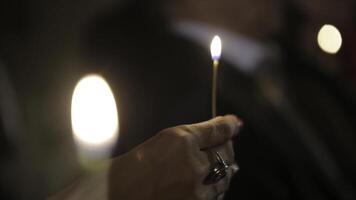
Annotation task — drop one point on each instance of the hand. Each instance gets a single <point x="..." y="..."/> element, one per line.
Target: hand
<point x="173" y="164"/>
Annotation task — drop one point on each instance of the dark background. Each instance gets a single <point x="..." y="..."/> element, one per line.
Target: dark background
<point x="47" y="46"/>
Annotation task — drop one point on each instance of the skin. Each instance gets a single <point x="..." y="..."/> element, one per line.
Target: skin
<point x="171" y="165"/>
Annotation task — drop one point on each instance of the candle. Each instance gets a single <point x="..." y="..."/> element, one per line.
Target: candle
<point x="215" y="49"/>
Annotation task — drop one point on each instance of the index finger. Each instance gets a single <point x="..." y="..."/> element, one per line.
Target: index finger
<point x="216" y="131"/>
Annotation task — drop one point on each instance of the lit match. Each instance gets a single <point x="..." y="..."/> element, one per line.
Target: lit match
<point x="215" y="49"/>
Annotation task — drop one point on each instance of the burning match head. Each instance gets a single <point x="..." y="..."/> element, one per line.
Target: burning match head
<point x="215" y="48"/>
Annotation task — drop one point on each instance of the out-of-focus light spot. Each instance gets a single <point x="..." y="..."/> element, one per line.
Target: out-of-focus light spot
<point x="329" y="39"/>
<point x="94" y="116"/>
<point x="215" y="48"/>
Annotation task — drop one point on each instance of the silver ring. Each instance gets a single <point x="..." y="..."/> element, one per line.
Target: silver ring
<point x="219" y="171"/>
<point x="221" y="160"/>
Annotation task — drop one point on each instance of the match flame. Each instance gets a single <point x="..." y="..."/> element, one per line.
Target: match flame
<point x="215" y="48"/>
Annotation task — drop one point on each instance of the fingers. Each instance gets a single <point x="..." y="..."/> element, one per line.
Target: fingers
<point x="227" y="153"/>
<point x="186" y="143"/>
<point x="217" y="190"/>
<point x="216" y="131"/>
<point x="223" y="185"/>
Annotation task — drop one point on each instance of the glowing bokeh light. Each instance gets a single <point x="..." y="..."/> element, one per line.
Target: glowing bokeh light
<point x="215" y="48"/>
<point x="94" y="112"/>
<point x="329" y="39"/>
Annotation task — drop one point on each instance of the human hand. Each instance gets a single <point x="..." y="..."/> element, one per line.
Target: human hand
<point x="175" y="163"/>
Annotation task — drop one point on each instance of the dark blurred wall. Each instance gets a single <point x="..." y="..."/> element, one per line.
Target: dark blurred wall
<point x="40" y="45"/>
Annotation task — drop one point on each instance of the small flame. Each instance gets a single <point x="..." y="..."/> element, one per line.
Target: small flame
<point x="215" y="48"/>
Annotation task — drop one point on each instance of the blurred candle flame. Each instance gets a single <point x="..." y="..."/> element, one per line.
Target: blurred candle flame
<point x="215" y="48"/>
<point x="329" y="39"/>
<point x="94" y="114"/>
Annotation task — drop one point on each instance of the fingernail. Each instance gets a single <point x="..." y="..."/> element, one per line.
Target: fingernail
<point x="235" y="168"/>
<point x="240" y="123"/>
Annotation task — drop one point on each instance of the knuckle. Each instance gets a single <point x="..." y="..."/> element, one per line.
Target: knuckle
<point x="185" y="128"/>
<point x="182" y="135"/>
<point x="177" y="133"/>
<point x="166" y="132"/>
